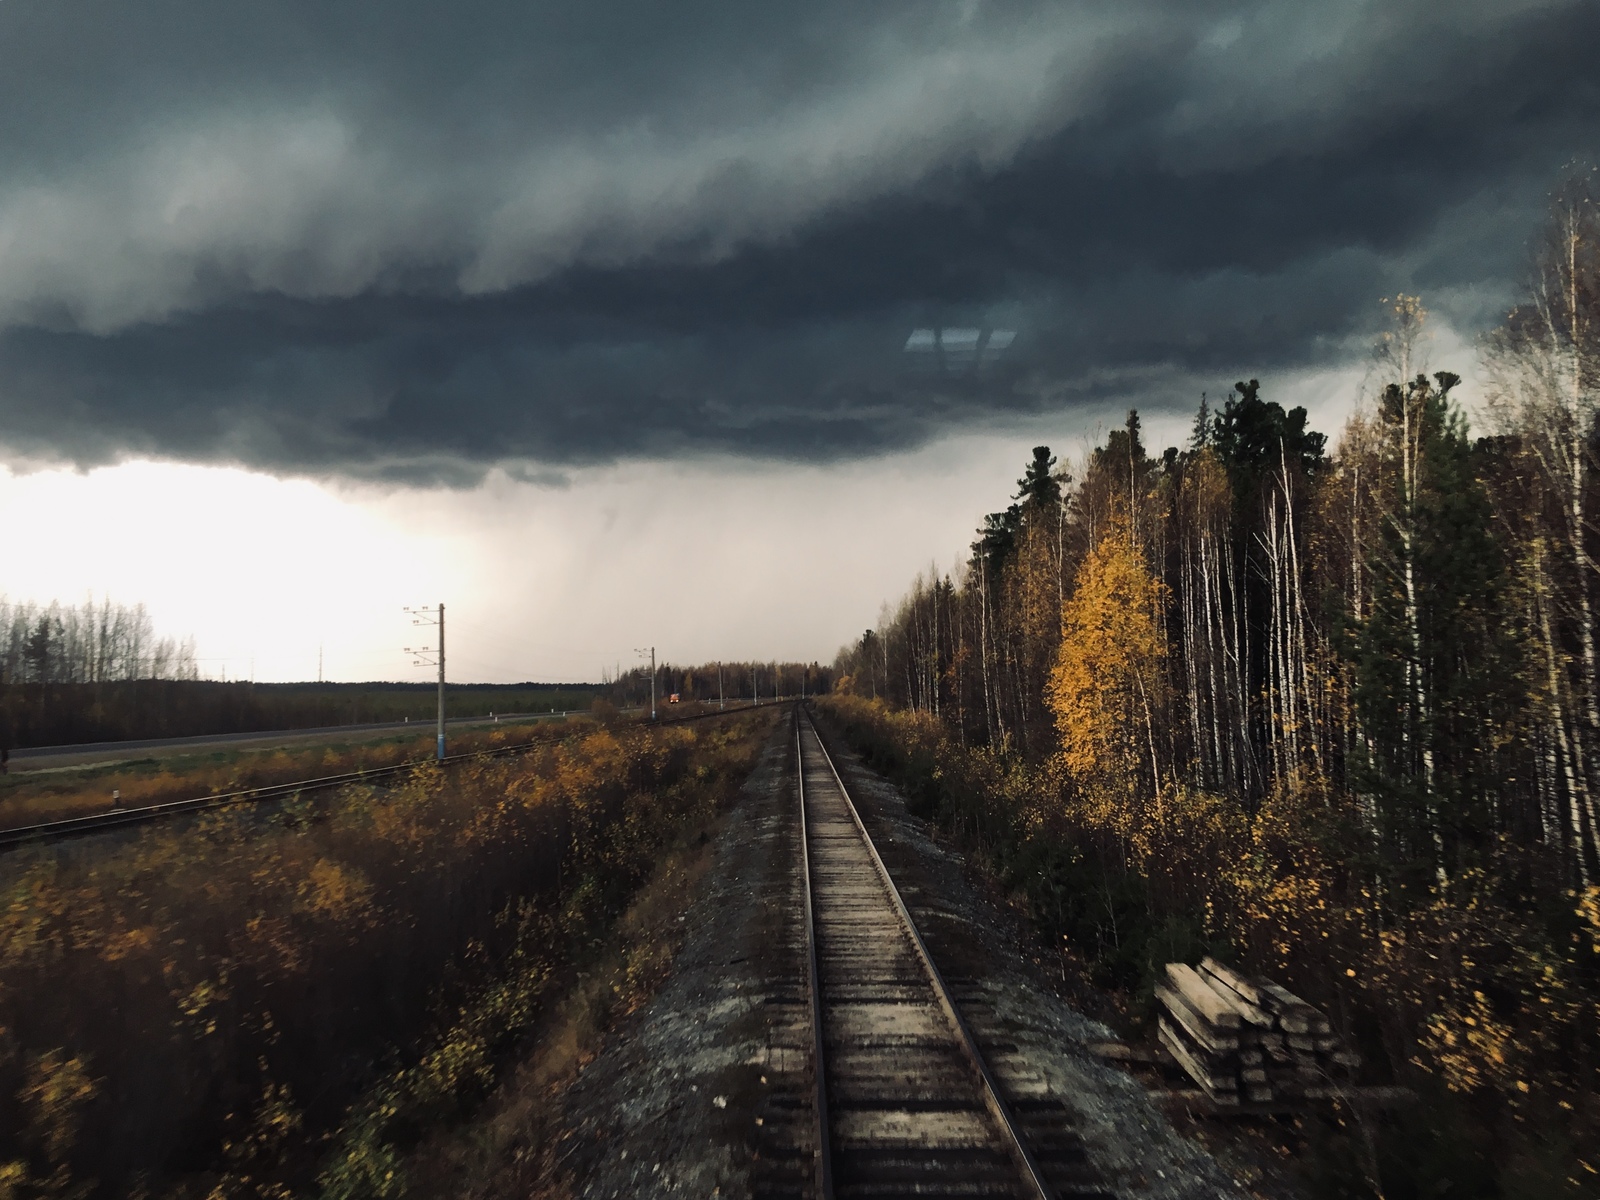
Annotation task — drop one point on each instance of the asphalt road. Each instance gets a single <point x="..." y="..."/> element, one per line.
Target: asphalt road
<point x="49" y="758"/>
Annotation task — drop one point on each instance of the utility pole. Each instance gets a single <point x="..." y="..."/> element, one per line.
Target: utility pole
<point x="720" y="704"/>
<point x="441" y="682"/>
<point x="652" y="653"/>
<point x="431" y="616"/>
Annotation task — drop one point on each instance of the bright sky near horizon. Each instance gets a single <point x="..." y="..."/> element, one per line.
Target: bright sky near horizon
<point x="705" y="560"/>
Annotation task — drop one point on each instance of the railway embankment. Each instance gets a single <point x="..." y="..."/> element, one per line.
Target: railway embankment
<point x="708" y="1088"/>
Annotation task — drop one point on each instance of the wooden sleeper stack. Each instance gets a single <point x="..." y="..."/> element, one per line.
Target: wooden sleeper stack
<point x="1246" y="1040"/>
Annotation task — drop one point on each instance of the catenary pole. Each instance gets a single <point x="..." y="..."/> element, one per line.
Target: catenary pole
<point x="431" y="616"/>
<point x="441" y="683"/>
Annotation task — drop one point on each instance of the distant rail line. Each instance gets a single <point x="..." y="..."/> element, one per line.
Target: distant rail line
<point x="906" y="1104"/>
<point x="119" y="818"/>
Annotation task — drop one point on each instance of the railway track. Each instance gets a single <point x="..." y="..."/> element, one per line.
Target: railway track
<point x="905" y="1101"/>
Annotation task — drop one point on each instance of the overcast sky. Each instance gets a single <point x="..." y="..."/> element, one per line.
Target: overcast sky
<point x="424" y="293"/>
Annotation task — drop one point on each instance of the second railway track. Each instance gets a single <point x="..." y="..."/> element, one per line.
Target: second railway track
<point x="906" y="1103"/>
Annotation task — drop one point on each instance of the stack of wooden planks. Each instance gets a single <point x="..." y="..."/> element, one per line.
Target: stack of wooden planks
<point x="1248" y="1041"/>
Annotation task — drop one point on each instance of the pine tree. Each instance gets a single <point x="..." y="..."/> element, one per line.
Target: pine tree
<point x="1038" y="490"/>
<point x="1436" y="665"/>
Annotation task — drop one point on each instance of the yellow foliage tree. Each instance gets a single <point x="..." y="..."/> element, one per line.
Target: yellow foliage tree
<point x="1107" y="688"/>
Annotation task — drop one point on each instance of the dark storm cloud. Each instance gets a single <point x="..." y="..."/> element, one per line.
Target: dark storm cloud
<point x="410" y="242"/>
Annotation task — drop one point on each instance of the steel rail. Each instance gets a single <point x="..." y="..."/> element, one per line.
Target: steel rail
<point x="52" y="831"/>
<point x="1033" y="1177"/>
<point x="824" y="1151"/>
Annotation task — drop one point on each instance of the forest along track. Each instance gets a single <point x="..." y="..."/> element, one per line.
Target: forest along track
<point x="905" y="1104"/>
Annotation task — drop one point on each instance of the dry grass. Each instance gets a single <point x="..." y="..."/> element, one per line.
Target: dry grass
<point x="265" y="1002"/>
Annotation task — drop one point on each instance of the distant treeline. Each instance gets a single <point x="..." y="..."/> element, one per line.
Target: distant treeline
<point x="55" y="714"/>
<point x="87" y="643"/>
<point x="709" y="681"/>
